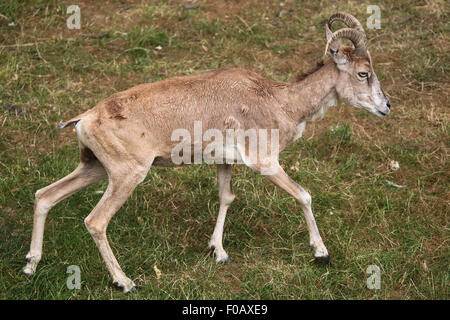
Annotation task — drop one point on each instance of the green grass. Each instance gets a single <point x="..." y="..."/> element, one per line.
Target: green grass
<point x="51" y="73"/>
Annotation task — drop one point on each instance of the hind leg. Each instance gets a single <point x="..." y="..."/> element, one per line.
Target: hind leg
<point x="84" y="175"/>
<point x="121" y="185"/>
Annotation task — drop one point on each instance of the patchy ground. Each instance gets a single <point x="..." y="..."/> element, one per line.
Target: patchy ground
<point x="49" y="73"/>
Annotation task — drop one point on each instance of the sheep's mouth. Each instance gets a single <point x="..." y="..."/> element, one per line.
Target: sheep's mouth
<point x="378" y="113"/>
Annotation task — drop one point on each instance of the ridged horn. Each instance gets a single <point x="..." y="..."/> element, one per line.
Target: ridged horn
<point x="355" y="36"/>
<point x="349" y="20"/>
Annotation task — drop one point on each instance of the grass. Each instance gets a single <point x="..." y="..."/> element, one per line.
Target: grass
<point x="49" y="73"/>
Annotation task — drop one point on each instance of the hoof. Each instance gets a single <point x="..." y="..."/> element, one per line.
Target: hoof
<point x="32" y="262"/>
<point x="28" y="271"/>
<point x="126" y="288"/>
<point x="221" y="256"/>
<point x="226" y="260"/>
<point x="324" y="260"/>
<point x="134" y="289"/>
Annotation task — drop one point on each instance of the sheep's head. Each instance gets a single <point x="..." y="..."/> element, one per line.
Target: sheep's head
<point x="357" y="84"/>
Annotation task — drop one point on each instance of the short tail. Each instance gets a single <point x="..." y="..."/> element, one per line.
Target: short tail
<point x="74" y="120"/>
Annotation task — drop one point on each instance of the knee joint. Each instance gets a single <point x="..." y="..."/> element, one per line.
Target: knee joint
<point x="305" y="198"/>
<point x="227" y="198"/>
<point x="93" y="228"/>
<point x="41" y="204"/>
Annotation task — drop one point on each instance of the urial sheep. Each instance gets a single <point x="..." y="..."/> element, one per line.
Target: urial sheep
<point x="124" y="135"/>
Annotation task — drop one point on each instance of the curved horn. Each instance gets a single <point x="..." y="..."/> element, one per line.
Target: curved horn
<point x="355" y="36"/>
<point x="349" y="20"/>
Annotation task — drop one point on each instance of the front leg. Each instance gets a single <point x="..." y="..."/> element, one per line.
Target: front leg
<point x="226" y="196"/>
<point x="281" y="179"/>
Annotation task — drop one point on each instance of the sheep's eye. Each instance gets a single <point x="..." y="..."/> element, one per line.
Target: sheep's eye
<point x="363" y="74"/>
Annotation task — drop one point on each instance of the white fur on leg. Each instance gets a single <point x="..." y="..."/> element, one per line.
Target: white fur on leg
<point x="216" y="239"/>
<point x="219" y="253"/>
<point x="320" y="251"/>
<point x="32" y="262"/>
<point x="226" y="196"/>
<point x="281" y="179"/>
<point x="46" y="198"/>
<point x="119" y="278"/>
<point x="41" y="209"/>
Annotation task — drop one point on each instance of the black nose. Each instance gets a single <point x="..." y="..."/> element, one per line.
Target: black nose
<point x="388" y="105"/>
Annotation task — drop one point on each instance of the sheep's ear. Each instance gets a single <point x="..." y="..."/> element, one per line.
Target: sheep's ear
<point x="333" y="49"/>
<point x="338" y="57"/>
